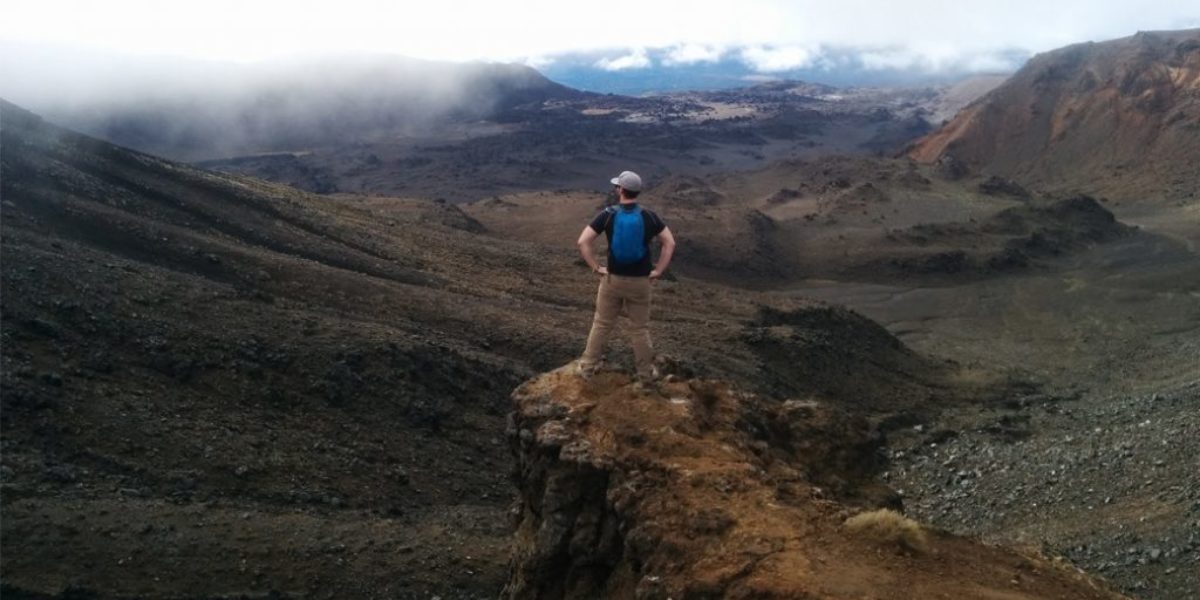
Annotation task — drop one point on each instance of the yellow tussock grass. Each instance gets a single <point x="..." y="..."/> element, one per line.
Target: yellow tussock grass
<point x="887" y="526"/>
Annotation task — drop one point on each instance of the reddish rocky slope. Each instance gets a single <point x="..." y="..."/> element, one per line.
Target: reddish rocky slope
<point x="1120" y="117"/>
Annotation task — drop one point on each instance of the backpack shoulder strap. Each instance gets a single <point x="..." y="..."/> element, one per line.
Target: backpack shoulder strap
<point x="612" y="211"/>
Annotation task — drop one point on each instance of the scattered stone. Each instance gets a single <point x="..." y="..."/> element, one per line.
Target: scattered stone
<point x="61" y="474"/>
<point x="44" y="328"/>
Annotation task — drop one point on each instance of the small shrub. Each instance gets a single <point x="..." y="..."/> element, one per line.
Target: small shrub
<point x="887" y="526"/>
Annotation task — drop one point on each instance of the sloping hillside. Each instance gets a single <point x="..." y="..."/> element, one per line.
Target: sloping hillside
<point x="215" y="386"/>
<point x="246" y="110"/>
<point x="1119" y="118"/>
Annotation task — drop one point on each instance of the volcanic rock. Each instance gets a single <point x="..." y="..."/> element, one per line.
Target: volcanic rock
<point x="698" y="490"/>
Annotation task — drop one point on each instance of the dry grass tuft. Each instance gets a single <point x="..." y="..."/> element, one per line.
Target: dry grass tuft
<point x="887" y="526"/>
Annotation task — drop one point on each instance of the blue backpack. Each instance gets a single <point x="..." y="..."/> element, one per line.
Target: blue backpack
<point x="628" y="235"/>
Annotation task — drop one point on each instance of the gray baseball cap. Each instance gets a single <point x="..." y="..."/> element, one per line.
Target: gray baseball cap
<point x="628" y="180"/>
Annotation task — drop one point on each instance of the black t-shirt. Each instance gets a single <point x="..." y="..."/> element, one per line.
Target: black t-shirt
<point x="652" y="226"/>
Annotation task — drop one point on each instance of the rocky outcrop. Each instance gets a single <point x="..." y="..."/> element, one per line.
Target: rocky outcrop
<point x="694" y="489"/>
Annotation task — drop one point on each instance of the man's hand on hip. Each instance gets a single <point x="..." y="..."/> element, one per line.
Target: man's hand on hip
<point x="601" y="270"/>
<point x="654" y="275"/>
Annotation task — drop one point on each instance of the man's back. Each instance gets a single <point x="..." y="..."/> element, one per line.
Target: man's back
<point x="652" y="226"/>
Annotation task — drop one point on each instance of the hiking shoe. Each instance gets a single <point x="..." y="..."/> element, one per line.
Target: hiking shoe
<point x="649" y="378"/>
<point x="647" y="382"/>
<point x="647" y="386"/>
<point x="584" y="371"/>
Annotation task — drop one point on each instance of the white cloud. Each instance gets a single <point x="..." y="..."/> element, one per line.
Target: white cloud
<point x="537" y="62"/>
<point x="769" y="59"/>
<point x="783" y="32"/>
<point x="931" y="59"/>
<point x="896" y="58"/>
<point x="636" y="59"/>
<point x="686" y="54"/>
<point x="990" y="63"/>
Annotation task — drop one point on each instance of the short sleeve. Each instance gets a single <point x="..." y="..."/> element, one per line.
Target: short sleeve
<point x="598" y="223"/>
<point x="656" y="224"/>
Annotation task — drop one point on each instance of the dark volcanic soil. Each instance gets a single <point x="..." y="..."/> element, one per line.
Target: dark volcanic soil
<point x="215" y="386"/>
<point x="219" y="387"/>
<point x="563" y="142"/>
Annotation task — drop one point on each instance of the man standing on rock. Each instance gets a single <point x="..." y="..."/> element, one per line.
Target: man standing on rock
<point x="626" y="282"/>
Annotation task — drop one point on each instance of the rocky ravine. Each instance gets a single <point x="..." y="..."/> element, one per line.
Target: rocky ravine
<point x="697" y="490"/>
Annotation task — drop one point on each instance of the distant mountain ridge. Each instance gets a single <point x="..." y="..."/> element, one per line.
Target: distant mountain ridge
<point x="351" y="123"/>
<point x="1119" y="117"/>
<point x="658" y="70"/>
<point x="292" y="106"/>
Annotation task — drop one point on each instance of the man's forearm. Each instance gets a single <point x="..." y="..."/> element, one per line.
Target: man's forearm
<point x="664" y="258"/>
<point x="585" y="250"/>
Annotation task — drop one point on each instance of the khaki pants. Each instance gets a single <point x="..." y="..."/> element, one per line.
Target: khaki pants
<point x="629" y="296"/>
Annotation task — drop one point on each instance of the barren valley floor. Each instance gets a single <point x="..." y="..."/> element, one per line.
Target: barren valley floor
<point x="1102" y="466"/>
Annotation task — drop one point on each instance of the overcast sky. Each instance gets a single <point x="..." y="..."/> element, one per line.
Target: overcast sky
<point x="767" y="34"/>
